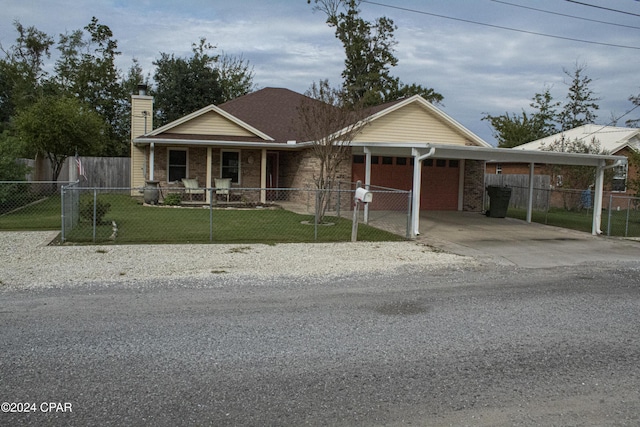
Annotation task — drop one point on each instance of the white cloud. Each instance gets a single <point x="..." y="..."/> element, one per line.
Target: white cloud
<point x="478" y="69"/>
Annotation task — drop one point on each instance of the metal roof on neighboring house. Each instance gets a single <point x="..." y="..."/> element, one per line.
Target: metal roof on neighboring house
<point x="611" y="138"/>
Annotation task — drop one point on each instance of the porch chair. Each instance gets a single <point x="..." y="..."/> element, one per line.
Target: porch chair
<point x="191" y="187"/>
<point x="222" y="187"/>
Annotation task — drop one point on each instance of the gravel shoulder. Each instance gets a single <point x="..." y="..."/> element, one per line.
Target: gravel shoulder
<point x="27" y="261"/>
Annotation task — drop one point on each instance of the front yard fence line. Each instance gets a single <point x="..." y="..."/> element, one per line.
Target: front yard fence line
<point x="244" y="215"/>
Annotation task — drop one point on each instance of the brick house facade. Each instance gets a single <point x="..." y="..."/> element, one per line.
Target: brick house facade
<point x="254" y="139"/>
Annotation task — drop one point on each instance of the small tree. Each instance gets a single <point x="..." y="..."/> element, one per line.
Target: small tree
<point x="330" y="124"/>
<point x="512" y="130"/>
<point x="576" y="177"/>
<point x="58" y="128"/>
<point x="581" y="104"/>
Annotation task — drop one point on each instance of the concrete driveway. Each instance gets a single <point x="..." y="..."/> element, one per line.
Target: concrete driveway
<point x="509" y="241"/>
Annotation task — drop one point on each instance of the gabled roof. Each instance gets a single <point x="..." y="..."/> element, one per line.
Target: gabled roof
<point x="271" y="116"/>
<point x="169" y="126"/>
<point x="612" y="139"/>
<point x="385" y="109"/>
<point x="272" y="110"/>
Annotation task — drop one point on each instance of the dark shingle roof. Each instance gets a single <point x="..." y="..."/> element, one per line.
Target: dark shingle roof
<point x="273" y="111"/>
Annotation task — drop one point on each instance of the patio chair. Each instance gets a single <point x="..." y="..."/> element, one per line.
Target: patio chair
<point x="191" y="187"/>
<point x="222" y="187"/>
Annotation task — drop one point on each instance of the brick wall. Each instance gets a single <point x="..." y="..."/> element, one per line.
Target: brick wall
<point x="473" y="185"/>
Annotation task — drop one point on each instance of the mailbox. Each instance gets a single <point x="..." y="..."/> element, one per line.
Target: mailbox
<point x="363" y="195"/>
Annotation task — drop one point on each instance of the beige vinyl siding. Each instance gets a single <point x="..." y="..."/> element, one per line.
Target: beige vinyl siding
<point x="211" y="123"/>
<point x="139" y="103"/>
<point x="412" y="123"/>
<point x="137" y="166"/>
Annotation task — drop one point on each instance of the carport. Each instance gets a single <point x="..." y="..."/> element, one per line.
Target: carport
<point x="422" y="151"/>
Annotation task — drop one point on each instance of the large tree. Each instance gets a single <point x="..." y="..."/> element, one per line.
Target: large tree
<point x="86" y="70"/>
<point x="185" y="85"/>
<point x="22" y="71"/>
<point x="369" y="55"/>
<point x="59" y="127"/>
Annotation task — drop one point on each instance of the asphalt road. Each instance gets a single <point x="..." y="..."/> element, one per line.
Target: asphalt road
<point x="480" y="346"/>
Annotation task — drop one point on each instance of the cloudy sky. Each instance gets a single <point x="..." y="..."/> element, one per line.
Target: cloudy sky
<point x="484" y="56"/>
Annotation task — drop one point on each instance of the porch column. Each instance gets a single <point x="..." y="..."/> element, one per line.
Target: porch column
<point x="263" y="176"/>
<point x="530" y="201"/>
<point x="208" y="183"/>
<point x="597" y="200"/>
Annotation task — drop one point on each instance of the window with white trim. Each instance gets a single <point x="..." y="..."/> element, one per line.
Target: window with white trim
<point x="619" y="182"/>
<point x="230" y="166"/>
<point x="176" y="164"/>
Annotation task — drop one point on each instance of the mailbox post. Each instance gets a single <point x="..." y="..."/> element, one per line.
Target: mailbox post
<point x="362" y="196"/>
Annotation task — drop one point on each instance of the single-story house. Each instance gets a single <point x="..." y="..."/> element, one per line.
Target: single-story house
<point x="253" y="141"/>
<point x="619" y="141"/>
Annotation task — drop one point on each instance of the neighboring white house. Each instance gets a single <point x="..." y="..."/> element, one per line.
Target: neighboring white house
<point x="619" y="141"/>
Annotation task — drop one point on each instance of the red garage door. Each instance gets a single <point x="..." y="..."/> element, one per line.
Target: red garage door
<point x="440" y="178"/>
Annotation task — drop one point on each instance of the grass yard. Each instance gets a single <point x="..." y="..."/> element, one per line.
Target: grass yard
<point x="43" y="214"/>
<point x="139" y="224"/>
<point x="582" y="220"/>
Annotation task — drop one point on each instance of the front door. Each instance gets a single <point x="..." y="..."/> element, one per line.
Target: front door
<point x="273" y="163"/>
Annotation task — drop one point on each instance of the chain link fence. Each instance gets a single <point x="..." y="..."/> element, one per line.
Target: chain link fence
<point x="27" y="205"/>
<point x="222" y="215"/>
<point x="573" y="209"/>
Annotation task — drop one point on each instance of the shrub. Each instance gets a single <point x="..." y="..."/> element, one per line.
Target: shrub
<point x="86" y="210"/>
<point x="173" y="199"/>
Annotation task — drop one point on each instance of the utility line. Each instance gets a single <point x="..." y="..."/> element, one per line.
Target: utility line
<point x="566" y="15"/>
<point x="499" y="26"/>
<point x="601" y="7"/>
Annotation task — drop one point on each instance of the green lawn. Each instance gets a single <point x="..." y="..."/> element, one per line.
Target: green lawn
<point x="42" y="214"/>
<point x="150" y="224"/>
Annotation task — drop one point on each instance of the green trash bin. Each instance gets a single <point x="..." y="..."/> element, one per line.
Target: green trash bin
<point x="498" y="201"/>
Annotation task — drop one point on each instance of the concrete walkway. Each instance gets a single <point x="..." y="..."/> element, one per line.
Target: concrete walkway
<point x="509" y="241"/>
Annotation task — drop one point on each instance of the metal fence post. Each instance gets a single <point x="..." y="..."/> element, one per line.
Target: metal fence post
<point x="315" y="220"/>
<point x="546" y="212"/>
<point x="338" y="202"/>
<point x="626" y="225"/>
<point x="210" y="215"/>
<point x="95" y="201"/>
<point x="62" y="232"/>
<point x="609" y="216"/>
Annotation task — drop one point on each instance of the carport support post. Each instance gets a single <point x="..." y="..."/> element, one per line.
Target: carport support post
<point x="415" y="205"/>
<point x="530" y="201"/>
<point x="417" y="179"/>
<point x="597" y="199"/>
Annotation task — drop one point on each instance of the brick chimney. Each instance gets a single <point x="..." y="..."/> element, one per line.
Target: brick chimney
<point x="141" y="123"/>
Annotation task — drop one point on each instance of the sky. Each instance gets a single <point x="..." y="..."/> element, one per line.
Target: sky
<point x="483" y="56"/>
